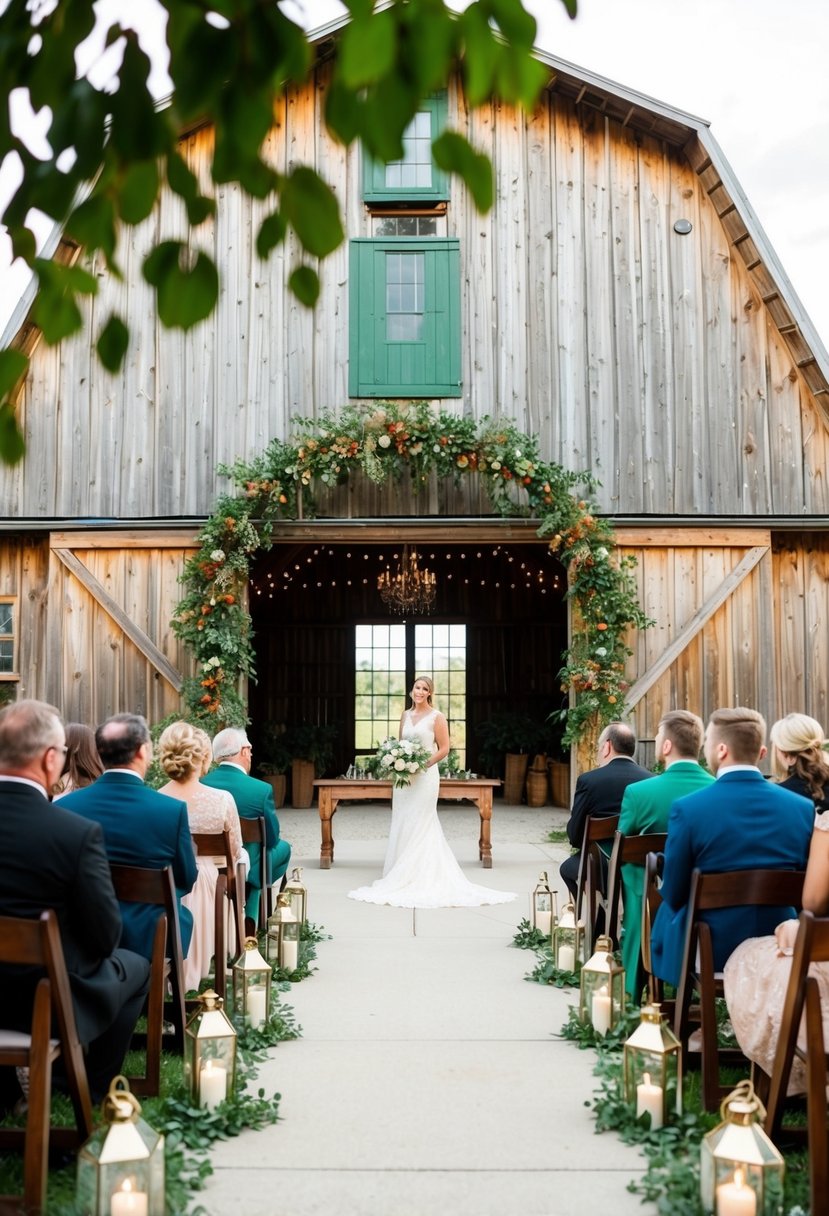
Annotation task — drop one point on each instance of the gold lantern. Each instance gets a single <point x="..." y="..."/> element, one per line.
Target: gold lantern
<point x="653" y="1068"/>
<point x="289" y="930"/>
<point x="545" y="912"/>
<point x="252" y="986"/>
<point x="741" y="1171"/>
<point x="210" y="1053"/>
<point x="602" y="988"/>
<point x="272" y="930"/>
<point x="298" y="894"/>
<point x="121" y="1166"/>
<point x="568" y="940"/>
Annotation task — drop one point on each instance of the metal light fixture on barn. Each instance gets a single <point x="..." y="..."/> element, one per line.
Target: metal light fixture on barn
<point x="408" y="589"/>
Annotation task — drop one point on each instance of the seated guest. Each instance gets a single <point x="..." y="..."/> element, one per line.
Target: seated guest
<point x="799" y="758"/>
<point x="232" y="753"/>
<point x="82" y="764"/>
<point x="599" y="792"/>
<point x="141" y="827"/>
<point x="741" y="822"/>
<point x="54" y="859"/>
<point x="184" y="754"/>
<point x="757" y="974"/>
<point x="645" y="808"/>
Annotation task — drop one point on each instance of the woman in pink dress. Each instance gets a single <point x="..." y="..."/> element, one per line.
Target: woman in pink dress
<point x="184" y="753"/>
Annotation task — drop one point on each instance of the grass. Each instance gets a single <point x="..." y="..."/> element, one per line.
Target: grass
<point x="557" y="836"/>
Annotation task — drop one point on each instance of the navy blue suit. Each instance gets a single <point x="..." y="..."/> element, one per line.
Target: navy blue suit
<point x="741" y="822"/>
<point x="141" y="828"/>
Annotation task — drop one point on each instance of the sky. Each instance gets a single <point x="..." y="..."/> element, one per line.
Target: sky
<point x="755" y="69"/>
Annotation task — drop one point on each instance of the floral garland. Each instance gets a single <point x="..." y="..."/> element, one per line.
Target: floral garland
<point x="412" y="440"/>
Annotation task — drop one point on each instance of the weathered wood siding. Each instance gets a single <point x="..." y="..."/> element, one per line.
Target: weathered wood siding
<point x="645" y="356"/>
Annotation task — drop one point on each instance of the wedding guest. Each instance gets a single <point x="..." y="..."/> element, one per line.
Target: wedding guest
<point x="82" y="764"/>
<point x="645" y="808"/>
<point x="141" y="827"/>
<point x="599" y="792"/>
<point x="799" y="758"/>
<point x="55" y="859"/>
<point x="184" y="754"/>
<point x="741" y="822"/>
<point x="232" y="753"/>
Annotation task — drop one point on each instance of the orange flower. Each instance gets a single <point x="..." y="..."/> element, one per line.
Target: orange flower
<point x="611" y="700"/>
<point x="282" y="498"/>
<point x="230" y="599"/>
<point x="602" y="625"/>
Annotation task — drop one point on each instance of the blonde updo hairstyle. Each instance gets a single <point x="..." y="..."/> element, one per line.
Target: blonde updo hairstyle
<point x="183" y="750"/>
<point x="800" y="736"/>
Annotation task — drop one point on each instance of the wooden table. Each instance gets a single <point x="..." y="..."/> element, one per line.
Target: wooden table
<point x="333" y="792"/>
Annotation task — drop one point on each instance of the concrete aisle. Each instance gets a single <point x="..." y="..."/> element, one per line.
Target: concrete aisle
<point x="428" y="1079"/>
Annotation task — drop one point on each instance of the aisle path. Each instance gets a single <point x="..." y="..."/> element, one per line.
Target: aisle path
<point x="427" y="1080"/>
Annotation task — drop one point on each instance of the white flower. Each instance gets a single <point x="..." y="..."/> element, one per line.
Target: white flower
<point x="399" y="765"/>
<point x="213" y="602"/>
<point x="601" y="651"/>
<point x="411" y="766"/>
<point x="436" y="447"/>
<point x="495" y="464"/>
<point x="601" y="551"/>
<point x="384" y="441"/>
<point x="218" y="555"/>
<point x="386" y="761"/>
<point x="517" y="454"/>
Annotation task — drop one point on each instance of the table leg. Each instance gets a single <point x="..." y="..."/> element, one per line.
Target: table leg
<point x="327" y="806"/>
<point x="484" y="801"/>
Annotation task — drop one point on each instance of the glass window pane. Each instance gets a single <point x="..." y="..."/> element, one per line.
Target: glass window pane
<point x="407" y="225"/>
<point x="362" y="736"/>
<point x="6" y="618"/>
<point x="362" y="636"/>
<point x="363" y="658"/>
<point x="423" y="125"/>
<point x="6" y="656"/>
<point x="427" y="226"/>
<point x="393" y="175"/>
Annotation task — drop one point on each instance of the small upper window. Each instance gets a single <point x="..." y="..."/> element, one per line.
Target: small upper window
<point x="415" y="176"/>
<point x="8" y="637"/>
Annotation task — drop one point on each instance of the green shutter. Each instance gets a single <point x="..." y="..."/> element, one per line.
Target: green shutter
<point x="426" y="367"/>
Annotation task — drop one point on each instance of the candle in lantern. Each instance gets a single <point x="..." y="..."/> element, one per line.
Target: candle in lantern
<point x="566" y="958"/>
<point x="735" y="1198"/>
<point x="544" y="922"/>
<point x="212" y="1085"/>
<point x="257" y="1007"/>
<point x="649" y="1098"/>
<point x="127" y="1201"/>
<point x="290" y="952"/>
<point x="601" y="1011"/>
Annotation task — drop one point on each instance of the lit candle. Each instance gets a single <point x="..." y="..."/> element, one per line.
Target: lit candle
<point x="601" y="1011"/>
<point x="566" y="958"/>
<point x="649" y="1098"/>
<point x="127" y="1201"/>
<point x="257" y="1007"/>
<point x="290" y="953"/>
<point x="544" y="922"/>
<point x="735" y="1198"/>
<point x="212" y="1086"/>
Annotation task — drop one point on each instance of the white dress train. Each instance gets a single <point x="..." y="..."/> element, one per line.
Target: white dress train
<point x="420" y="870"/>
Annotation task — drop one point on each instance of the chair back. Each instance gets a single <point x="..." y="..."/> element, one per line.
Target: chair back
<point x="219" y="844"/>
<point x="651" y="900"/>
<point x="254" y="831"/>
<point x="596" y="828"/>
<point x="627" y="850"/>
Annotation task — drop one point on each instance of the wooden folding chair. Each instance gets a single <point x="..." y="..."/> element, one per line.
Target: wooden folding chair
<point x="627" y="850"/>
<point x="137" y="884"/>
<point x="736" y="888"/>
<point x="651" y="899"/>
<point x="218" y="844"/>
<point x="36" y="943"/>
<point x="803" y="994"/>
<point x="254" y="831"/>
<point x="590" y="882"/>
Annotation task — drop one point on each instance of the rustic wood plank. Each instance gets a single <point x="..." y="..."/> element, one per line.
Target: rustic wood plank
<point x="691" y="538"/>
<point x="147" y="647"/>
<point x="130" y="538"/>
<point x="700" y="619"/>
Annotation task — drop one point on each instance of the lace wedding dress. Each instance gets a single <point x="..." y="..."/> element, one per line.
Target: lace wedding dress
<point x="420" y="870"/>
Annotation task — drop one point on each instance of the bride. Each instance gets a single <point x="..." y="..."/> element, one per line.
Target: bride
<point x="420" y="870"/>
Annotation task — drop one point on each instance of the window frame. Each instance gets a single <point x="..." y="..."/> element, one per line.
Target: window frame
<point x="14" y="637"/>
<point x="368" y="343"/>
<point x="375" y="189"/>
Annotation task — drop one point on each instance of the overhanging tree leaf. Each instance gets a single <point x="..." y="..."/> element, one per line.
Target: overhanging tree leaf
<point x="12" y="445"/>
<point x="305" y="284"/>
<point x="112" y="343"/>
<point x="367" y="49"/>
<point x="311" y="208"/>
<point x="186" y="286"/>
<point x="138" y="191"/>
<point x="454" y="154"/>
<point x="13" y="364"/>
<point x="271" y="233"/>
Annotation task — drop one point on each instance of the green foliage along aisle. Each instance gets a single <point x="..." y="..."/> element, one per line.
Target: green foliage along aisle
<point x="391" y="441"/>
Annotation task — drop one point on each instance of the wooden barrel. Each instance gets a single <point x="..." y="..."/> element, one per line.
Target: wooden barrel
<point x="302" y="783"/>
<point x="515" y="771"/>
<point x="536" y="786"/>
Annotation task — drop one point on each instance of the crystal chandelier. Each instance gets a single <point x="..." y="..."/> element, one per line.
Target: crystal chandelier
<point x="409" y="589"/>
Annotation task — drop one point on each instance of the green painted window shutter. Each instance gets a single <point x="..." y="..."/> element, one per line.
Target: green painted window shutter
<point x="416" y="178"/>
<point x="404" y="318"/>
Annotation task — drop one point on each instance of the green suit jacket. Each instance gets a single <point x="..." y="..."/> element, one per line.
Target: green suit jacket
<point x="645" y="808"/>
<point x="253" y="798"/>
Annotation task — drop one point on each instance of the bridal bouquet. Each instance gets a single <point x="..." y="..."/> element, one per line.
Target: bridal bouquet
<point x="397" y="760"/>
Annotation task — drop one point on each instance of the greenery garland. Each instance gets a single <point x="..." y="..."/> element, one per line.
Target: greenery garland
<point x="412" y="440"/>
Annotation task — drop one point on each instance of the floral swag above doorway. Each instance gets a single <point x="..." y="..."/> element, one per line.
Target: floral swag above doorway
<point x="395" y="441"/>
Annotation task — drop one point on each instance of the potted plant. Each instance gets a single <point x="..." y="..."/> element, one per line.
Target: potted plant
<point x="508" y="739"/>
<point x="312" y="750"/>
<point x="276" y="759"/>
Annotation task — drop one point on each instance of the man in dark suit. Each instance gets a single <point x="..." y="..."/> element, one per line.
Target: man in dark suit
<point x="141" y="827"/>
<point x="741" y="822"/>
<point x="232" y="753"/>
<point x="599" y="792"/>
<point x="54" y="859"/>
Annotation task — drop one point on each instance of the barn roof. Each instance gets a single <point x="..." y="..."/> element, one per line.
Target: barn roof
<point x="587" y="91"/>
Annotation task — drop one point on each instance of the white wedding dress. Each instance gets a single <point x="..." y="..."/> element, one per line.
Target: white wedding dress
<point x="420" y="870"/>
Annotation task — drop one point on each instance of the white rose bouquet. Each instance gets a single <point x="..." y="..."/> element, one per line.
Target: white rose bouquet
<point x="397" y="761"/>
